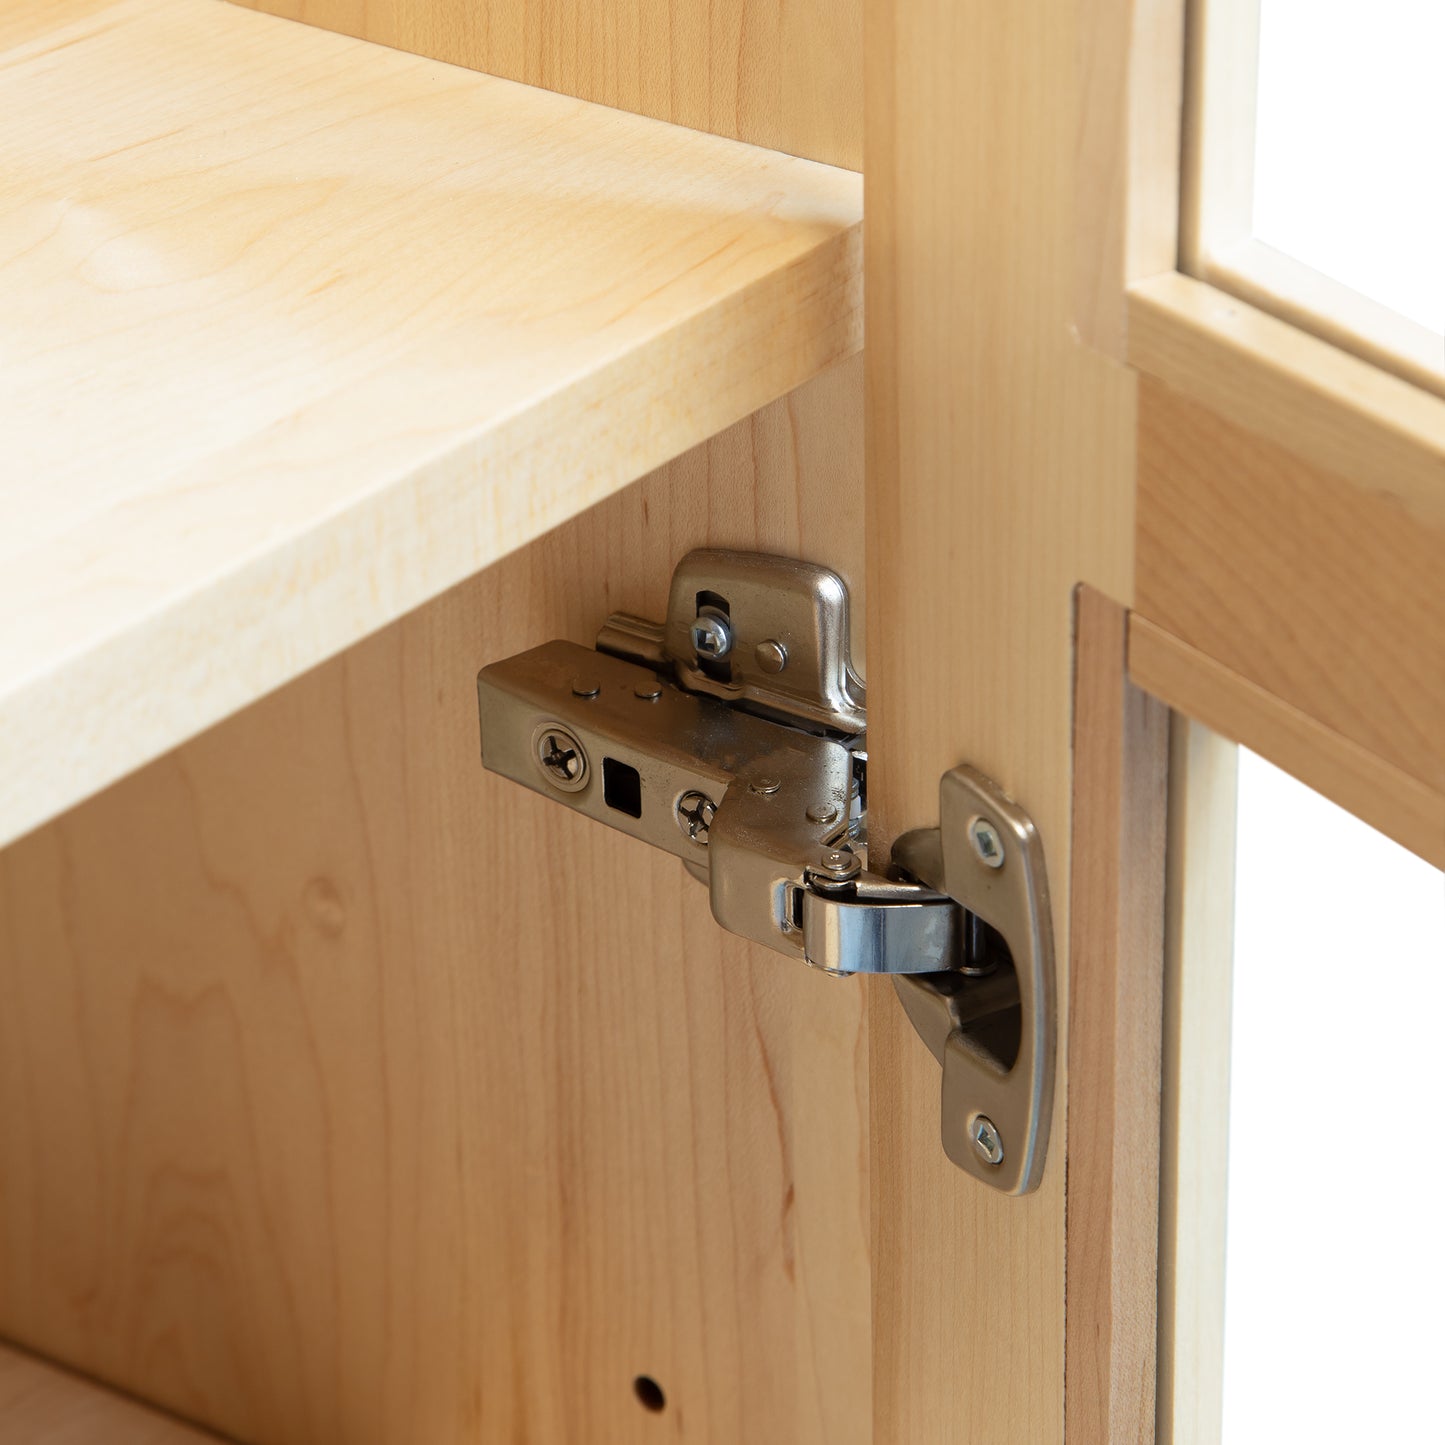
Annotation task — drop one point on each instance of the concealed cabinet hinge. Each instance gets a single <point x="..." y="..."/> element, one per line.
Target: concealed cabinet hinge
<point x="732" y="735"/>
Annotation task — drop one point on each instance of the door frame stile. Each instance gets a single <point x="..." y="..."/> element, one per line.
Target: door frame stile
<point x="1121" y="749"/>
<point x="1007" y="209"/>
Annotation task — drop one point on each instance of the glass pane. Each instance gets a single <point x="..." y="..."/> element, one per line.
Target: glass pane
<point x="1335" y="1256"/>
<point x="1350" y="146"/>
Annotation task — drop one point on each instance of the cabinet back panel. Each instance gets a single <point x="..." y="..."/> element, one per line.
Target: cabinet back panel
<point x="787" y="74"/>
<point x="351" y="1094"/>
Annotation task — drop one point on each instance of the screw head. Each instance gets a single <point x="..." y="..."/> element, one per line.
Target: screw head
<point x="771" y="655"/>
<point x="695" y="812"/>
<point x="711" y="635"/>
<point x="647" y="692"/>
<point x="839" y="864"/>
<point x="561" y="758"/>
<point x="765" y="786"/>
<point x="987" y="1142"/>
<point x="987" y="842"/>
<point x="822" y="813"/>
<point x="585" y="687"/>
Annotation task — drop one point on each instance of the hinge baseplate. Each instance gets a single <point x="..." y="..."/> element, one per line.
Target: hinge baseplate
<point x="732" y="735"/>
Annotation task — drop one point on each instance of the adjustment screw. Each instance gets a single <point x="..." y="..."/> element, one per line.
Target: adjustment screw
<point x="765" y="786"/>
<point x="561" y="758"/>
<point x="988" y="845"/>
<point x="711" y="636"/>
<point x="695" y="812"/>
<point x="822" y="813"/>
<point x="771" y="655"/>
<point x="986" y="1141"/>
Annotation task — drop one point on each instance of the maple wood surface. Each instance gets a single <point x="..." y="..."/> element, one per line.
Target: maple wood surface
<point x="296" y="332"/>
<point x="1000" y="475"/>
<point x="1121" y="748"/>
<point x="1323" y="593"/>
<point x="1128" y="83"/>
<point x="1331" y="410"/>
<point x="787" y="74"/>
<point x="351" y="1095"/>
<point x="1194" y="684"/>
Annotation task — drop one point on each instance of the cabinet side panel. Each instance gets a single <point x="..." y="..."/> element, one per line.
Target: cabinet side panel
<point x="784" y="75"/>
<point x="351" y="1094"/>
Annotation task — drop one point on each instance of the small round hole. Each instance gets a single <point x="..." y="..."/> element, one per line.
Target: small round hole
<point x="649" y="1393"/>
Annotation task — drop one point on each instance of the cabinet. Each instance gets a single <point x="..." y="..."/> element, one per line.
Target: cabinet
<point x="348" y="1093"/>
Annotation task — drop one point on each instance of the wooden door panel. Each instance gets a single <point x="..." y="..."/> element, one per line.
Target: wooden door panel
<point x="1324" y="593"/>
<point x="350" y="1093"/>
<point x="1290" y="513"/>
<point x="1000" y="474"/>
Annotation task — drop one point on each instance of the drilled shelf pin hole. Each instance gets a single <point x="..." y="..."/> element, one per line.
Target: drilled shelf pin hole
<point x="649" y="1393"/>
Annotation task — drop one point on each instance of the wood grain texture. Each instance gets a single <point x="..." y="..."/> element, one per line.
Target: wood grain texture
<point x="1331" y="409"/>
<point x="1194" y="1104"/>
<point x="351" y="1095"/>
<point x="42" y="1405"/>
<point x="787" y="74"/>
<point x="1195" y="684"/>
<point x="1121" y="763"/>
<point x="1326" y="594"/>
<point x="1301" y="296"/>
<point x="1131" y="81"/>
<point x="1000" y="473"/>
<point x="296" y="332"/>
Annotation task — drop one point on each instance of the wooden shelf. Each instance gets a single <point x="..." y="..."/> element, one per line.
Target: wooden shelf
<point x="43" y="1405"/>
<point x="297" y="332"/>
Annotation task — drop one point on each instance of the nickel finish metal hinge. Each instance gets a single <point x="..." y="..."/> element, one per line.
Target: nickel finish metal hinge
<point x="732" y="735"/>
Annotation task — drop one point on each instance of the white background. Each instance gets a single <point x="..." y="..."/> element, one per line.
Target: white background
<point x="1350" y="146"/>
<point x="1335" y="1259"/>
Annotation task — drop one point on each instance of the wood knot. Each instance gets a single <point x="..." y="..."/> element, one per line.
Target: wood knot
<point x="324" y="906"/>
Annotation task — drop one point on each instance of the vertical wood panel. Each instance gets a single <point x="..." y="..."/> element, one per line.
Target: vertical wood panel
<point x="1131" y="78"/>
<point x="350" y="1094"/>
<point x="1000" y="473"/>
<point x="1121" y="749"/>
<point x="787" y="74"/>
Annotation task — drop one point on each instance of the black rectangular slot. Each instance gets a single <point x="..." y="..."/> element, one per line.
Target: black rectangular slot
<point x="621" y="787"/>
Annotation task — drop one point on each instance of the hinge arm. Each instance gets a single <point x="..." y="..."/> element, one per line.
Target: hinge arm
<point x="769" y="815"/>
